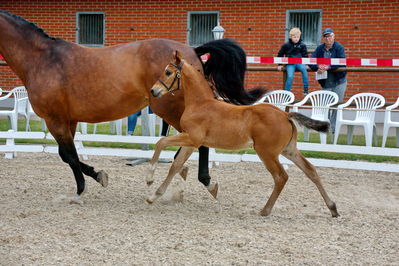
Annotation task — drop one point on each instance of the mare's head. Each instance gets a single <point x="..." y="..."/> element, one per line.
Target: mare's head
<point x="170" y="80"/>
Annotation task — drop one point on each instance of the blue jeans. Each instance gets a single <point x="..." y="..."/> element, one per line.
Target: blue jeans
<point x="132" y="121"/>
<point x="290" y="69"/>
<point x="340" y="90"/>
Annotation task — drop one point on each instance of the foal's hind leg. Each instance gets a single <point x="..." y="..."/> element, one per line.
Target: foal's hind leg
<point x="279" y="175"/>
<point x="176" y="167"/>
<point x="293" y="154"/>
<point x="100" y="176"/>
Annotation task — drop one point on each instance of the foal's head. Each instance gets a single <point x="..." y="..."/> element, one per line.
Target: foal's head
<point x="170" y="78"/>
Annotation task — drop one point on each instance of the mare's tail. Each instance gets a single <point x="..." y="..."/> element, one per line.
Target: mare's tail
<point x="226" y="68"/>
<point x="320" y="126"/>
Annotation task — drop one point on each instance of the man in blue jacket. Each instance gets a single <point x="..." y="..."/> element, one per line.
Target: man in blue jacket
<point x="335" y="81"/>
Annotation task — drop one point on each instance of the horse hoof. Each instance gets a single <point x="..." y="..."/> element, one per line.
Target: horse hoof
<point x="334" y="212"/>
<point x="149" y="201"/>
<point x="76" y="200"/>
<point x="214" y="190"/>
<point x="184" y="172"/>
<point x="336" y="215"/>
<point x="264" y="213"/>
<point x="102" y="178"/>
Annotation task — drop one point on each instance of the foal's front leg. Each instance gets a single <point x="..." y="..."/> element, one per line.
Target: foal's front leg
<point x="181" y="139"/>
<point x="175" y="168"/>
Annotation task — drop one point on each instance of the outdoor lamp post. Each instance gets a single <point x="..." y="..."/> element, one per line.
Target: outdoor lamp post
<point x="218" y="32"/>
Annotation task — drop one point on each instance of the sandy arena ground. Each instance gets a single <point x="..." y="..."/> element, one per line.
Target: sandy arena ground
<point x="116" y="226"/>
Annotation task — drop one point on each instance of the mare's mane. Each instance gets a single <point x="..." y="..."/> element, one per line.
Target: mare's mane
<point x="228" y="57"/>
<point x="30" y="25"/>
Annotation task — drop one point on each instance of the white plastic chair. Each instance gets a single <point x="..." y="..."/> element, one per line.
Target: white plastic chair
<point x="388" y="123"/>
<point x="30" y="113"/>
<point x="20" y="103"/>
<point x="279" y="98"/>
<point x="366" y="103"/>
<point x="320" y="102"/>
<point x="21" y="95"/>
<point x="11" y="114"/>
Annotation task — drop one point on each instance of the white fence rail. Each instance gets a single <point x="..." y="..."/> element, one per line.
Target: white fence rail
<point x="10" y="148"/>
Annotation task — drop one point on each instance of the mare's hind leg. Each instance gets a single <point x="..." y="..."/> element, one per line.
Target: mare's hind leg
<point x="279" y="175"/>
<point x="293" y="154"/>
<point x="176" y="167"/>
<point x="67" y="151"/>
<point x="203" y="168"/>
<point x="100" y="176"/>
<point x="203" y="171"/>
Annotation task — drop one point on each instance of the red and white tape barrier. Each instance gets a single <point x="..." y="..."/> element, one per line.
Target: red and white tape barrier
<point x="314" y="61"/>
<point x="323" y="61"/>
<point x="319" y="61"/>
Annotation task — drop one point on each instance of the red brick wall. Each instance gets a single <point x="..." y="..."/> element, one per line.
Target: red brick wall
<point x="367" y="29"/>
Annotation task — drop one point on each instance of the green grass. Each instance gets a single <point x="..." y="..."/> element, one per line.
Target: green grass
<point x="356" y="141"/>
<point x="314" y="137"/>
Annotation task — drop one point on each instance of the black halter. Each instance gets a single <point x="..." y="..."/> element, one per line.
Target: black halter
<point x="177" y="78"/>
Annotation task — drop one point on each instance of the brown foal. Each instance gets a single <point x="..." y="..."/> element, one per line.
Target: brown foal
<point x="208" y="121"/>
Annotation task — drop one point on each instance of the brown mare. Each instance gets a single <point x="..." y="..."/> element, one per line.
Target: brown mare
<point x="68" y="83"/>
<point x="213" y="123"/>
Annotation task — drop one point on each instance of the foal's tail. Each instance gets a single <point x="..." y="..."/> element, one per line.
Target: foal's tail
<point x="320" y="126"/>
<point x="226" y="68"/>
